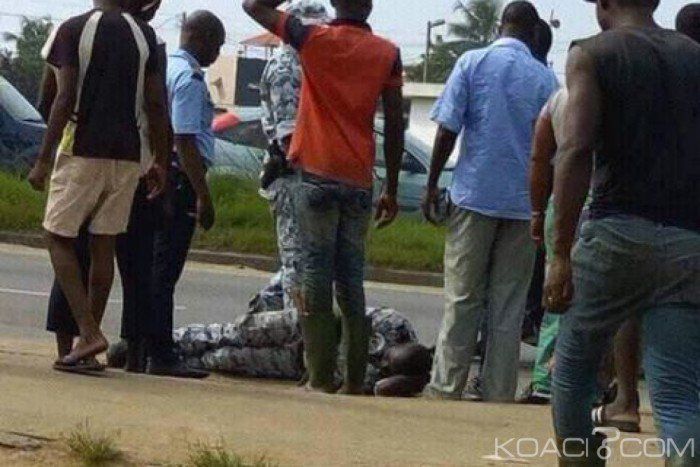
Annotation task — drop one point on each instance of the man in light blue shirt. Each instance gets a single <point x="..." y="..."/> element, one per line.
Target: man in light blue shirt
<point x="492" y="98"/>
<point x="191" y="107"/>
<point x="188" y="198"/>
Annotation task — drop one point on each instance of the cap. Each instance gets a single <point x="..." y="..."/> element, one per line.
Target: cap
<point x="310" y="11"/>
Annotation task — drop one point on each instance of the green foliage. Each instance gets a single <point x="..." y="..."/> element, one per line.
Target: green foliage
<point x="24" y="67"/>
<point x="204" y="455"/>
<point x="479" y="29"/>
<point x="480" y="26"/>
<point x="244" y="224"/>
<point x="92" y="449"/>
<point x="21" y="208"/>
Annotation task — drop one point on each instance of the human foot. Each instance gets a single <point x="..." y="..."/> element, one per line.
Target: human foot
<point x="86" y="348"/>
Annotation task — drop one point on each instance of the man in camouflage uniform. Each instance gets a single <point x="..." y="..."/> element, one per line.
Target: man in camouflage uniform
<point x="269" y="345"/>
<point x="279" y="94"/>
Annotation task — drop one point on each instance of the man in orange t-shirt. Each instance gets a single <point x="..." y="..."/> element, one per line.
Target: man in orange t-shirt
<point x="346" y="70"/>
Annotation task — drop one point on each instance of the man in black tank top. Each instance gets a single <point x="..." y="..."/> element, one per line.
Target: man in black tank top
<point x="634" y="99"/>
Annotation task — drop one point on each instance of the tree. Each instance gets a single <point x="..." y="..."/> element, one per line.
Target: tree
<point x="480" y="26"/>
<point x="24" y="67"/>
<point x="479" y="29"/>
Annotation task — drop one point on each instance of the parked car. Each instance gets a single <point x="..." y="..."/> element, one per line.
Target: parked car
<point x="21" y="129"/>
<point x="241" y="149"/>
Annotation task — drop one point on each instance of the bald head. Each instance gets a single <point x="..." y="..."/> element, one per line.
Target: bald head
<point x="520" y="20"/>
<point x="688" y="21"/>
<point x="203" y="34"/>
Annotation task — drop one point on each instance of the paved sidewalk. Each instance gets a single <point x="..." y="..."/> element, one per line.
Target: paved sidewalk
<point x="156" y="419"/>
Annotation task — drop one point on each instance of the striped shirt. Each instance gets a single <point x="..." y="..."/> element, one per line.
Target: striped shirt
<point x="113" y="53"/>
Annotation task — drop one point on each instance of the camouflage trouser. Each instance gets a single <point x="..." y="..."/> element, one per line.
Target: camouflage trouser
<point x="269" y="344"/>
<point x="288" y="242"/>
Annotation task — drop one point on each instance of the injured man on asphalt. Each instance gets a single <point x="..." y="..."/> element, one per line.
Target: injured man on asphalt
<point x="268" y="344"/>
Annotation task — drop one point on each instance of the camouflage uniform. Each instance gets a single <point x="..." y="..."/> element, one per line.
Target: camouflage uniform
<point x="269" y="344"/>
<point x="279" y="97"/>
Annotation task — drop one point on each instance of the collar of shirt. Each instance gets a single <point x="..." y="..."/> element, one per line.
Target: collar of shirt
<point x="351" y="22"/>
<point x="182" y="53"/>
<point x="513" y="43"/>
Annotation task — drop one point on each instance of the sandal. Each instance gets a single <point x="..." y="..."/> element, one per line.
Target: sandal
<point x="90" y="368"/>
<point x="625" y="426"/>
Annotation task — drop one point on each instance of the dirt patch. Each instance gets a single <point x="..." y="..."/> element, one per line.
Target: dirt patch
<point x="156" y="420"/>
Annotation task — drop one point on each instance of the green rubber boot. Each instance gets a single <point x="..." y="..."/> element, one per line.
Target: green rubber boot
<point x="355" y="344"/>
<point x="321" y="350"/>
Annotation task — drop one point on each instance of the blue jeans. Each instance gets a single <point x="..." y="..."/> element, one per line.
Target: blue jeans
<point x="626" y="266"/>
<point x="333" y="223"/>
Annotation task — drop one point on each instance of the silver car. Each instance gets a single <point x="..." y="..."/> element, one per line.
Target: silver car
<point x="241" y="150"/>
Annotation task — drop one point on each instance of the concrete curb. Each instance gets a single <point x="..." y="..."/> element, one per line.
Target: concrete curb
<point x="259" y="262"/>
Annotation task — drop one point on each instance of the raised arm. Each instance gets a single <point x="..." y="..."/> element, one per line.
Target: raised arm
<point x="573" y="171"/>
<point x="264" y="12"/>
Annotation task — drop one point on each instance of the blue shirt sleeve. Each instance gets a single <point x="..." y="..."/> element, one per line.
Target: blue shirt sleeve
<point x="451" y="108"/>
<point x="188" y="100"/>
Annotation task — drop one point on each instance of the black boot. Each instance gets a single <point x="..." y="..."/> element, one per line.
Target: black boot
<point x="163" y="361"/>
<point x="135" y="356"/>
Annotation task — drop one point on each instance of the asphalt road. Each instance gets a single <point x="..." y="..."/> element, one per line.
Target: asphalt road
<point x="206" y="294"/>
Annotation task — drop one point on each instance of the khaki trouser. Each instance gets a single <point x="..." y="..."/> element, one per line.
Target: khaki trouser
<point x="488" y="267"/>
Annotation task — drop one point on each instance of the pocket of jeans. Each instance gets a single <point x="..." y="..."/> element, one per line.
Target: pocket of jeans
<point x="315" y="197"/>
<point x="360" y="203"/>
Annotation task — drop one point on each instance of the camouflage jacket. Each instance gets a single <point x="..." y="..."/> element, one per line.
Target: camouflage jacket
<point x="279" y="93"/>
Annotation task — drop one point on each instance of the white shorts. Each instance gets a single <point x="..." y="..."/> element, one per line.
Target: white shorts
<point x="82" y="188"/>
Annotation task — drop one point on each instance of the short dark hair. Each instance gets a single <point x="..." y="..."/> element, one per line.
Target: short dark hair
<point x="654" y="4"/>
<point x="688" y="21"/>
<point x="521" y="16"/>
<point x="543" y="41"/>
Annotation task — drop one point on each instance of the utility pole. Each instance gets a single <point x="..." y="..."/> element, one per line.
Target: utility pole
<point x="429" y="44"/>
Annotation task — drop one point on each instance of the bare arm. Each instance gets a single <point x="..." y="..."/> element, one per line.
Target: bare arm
<point x="445" y="141"/>
<point x="393" y="136"/>
<point x="61" y="111"/>
<point x="264" y="12"/>
<point x="163" y="70"/>
<point x="157" y="114"/>
<point x="47" y="92"/>
<point x="192" y="163"/>
<point x="387" y="206"/>
<point x="581" y="134"/>
<point x="544" y="148"/>
<point x="572" y="174"/>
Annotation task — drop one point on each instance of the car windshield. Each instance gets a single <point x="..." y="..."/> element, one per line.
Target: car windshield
<point x="246" y="133"/>
<point x="16" y="105"/>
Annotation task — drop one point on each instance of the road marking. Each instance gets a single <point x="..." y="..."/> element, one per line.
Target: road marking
<point x="240" y="271"/>
<point x="31" y="293"/>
